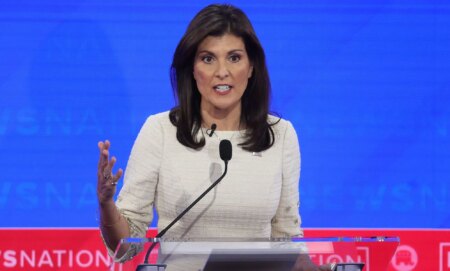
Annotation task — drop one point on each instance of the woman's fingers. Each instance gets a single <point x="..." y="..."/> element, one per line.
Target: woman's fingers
<point x="107" y="181"/>
<point x="104" y="153"/>
<point x="100" y="148"/>
<point x="115" y="179"/>
<point x="112" y="162"/>
<point x="105" y="165"/>
<point x="107" y="171"/>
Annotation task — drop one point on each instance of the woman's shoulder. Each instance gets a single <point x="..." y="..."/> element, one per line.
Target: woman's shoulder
<point x="157" y="123"/>
<point x="282" y="128"/>
<point x="161" y="118"/>
<point x="278" y="122"/>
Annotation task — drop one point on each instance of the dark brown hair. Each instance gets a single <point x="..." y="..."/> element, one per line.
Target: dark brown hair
<point x="218" y="20"/>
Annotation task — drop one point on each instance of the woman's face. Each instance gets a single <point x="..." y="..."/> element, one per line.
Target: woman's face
<point x="222" y="69"/>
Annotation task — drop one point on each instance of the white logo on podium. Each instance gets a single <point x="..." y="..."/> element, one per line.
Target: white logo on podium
<point x="405" y="258"/>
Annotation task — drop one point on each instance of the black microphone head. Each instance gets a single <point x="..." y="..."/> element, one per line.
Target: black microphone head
<point x="225" y="150"/>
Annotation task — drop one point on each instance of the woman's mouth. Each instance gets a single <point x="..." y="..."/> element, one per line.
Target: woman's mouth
<point x="222" y="88"/>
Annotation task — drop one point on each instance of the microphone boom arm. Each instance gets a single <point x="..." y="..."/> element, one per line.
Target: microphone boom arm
<point x="160" y="234"/>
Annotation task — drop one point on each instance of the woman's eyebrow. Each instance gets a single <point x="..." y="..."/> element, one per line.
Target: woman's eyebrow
<point x="211" y="53"/>
<point x="236" y="51"/>
<point x="205" y="51"/>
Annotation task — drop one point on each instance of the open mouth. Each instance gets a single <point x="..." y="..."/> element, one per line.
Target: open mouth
<point x="222" y="88"/>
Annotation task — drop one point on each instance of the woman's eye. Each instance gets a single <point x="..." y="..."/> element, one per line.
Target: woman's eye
<point x="207" y="59"/>
<point x="235" y="58"/>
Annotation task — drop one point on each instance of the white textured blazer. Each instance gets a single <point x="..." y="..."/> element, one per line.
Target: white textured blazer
<point x="257" y="198"/>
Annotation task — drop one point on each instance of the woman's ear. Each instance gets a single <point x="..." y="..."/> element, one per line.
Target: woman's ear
<point x="250" y="71"/>
<point x="193" y="74"/>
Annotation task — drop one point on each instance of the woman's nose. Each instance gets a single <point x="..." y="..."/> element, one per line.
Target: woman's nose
<point x="222" y="70"/>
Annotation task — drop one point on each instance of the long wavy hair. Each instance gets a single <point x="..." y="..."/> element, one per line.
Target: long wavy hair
<point x="218" y="20"/>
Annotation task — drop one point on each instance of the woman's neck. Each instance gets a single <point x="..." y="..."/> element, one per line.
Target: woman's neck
<point x="225" y="120"/>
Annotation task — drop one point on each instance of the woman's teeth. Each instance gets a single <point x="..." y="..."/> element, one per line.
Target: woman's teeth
<point x="222" y="88"/>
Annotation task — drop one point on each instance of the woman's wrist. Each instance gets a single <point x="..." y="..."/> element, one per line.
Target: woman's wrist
<point x="109" y="216"/>
<point x="107" y="224"/>
<point x="106" y="204"/>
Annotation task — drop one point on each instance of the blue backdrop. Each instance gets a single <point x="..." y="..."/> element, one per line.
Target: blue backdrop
<point x="365" y="83"/>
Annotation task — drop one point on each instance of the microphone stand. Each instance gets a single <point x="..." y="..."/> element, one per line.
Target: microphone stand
<point x="226" y="156"/>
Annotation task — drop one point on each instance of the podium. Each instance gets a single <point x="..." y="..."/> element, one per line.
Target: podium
<point x="258" y="254"/>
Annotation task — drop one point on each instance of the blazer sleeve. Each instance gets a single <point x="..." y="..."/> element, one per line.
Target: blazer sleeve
<point x="287" y="221"/>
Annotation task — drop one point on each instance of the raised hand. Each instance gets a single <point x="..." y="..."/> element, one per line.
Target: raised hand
<point x="106" y="180"/>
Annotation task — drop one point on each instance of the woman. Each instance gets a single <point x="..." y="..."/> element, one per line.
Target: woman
<point x="220" y="78"/>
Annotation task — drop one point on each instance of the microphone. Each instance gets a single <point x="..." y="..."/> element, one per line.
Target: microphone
<point x="225" y="150"/>
<point x="211" y="131"/>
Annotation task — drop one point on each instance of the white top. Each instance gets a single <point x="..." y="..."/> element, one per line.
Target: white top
<point x="257" y="198"/>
